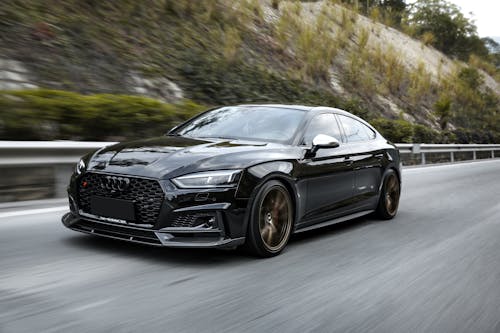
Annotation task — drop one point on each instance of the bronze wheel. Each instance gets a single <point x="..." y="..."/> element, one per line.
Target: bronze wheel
<point x="389" y="197"/>
<point x="392" y="194"/>
<point x="275" y="218"/>
<point x="271" y="222"/>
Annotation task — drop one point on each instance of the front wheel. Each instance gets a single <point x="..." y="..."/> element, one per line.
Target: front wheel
<point x="389" y="196"/>
<point x="271" y="220"/>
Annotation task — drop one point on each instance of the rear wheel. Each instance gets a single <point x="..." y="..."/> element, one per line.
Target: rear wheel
<point x="271" y="220"/>
<point x="389" y="196"/>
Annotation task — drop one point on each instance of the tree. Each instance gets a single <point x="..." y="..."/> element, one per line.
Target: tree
<point x="454" y="34"/>
<point x="494" y="49"/>
<point x="393" y="8"/>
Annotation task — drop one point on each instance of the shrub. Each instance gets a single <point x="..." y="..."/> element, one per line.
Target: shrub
<point x="428" y="38"/>
<point x="399" y="131"/>
<point x="424" y="134"/>
<point x="471" y="77"/>
<point x="52" y="114"/>
<point x="420" y="84"/>
<point x="442" y="107"/>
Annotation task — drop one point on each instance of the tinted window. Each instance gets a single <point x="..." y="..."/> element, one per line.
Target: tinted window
<point x="261" y="123"/>
<point x="322" y="124"/>
<point x="356" y="131"/>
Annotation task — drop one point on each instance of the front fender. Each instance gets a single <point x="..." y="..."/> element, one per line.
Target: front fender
<point x="254" y="177"/>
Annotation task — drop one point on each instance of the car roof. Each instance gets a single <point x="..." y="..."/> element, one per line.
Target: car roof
<point x="302" y="107"/>
<point x="284" y="106"/>
<point x="311" y="109"/>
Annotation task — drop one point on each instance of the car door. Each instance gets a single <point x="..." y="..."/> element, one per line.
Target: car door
<point x="328" y="174"/>
<point x="367" y="158"/>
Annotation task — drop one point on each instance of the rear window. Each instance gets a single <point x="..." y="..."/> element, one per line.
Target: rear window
<point x="355" y="131"/>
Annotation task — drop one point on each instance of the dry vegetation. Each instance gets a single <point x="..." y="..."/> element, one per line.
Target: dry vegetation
<point x="222" y="51"/>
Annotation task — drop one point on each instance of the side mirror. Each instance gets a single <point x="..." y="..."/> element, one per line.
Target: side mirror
<point x="323" y="141"/>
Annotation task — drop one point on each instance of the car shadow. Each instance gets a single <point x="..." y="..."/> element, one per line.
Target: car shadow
<point x="201" y="257"/>
<point x="204" y="257"/>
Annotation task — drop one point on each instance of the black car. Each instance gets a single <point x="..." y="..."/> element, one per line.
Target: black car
<point x="246" y="175"/>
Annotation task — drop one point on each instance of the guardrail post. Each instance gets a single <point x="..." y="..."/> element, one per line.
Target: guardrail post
<point x="492" y="154"/>
<point x="452" y="157"/>
<point x="423" y="158"/>
<point x="474" y="155"/>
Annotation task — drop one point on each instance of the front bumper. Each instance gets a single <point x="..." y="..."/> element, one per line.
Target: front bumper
<point x="167" y="237"/>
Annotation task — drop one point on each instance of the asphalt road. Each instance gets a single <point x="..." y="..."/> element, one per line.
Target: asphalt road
<point x="435" y="268"/>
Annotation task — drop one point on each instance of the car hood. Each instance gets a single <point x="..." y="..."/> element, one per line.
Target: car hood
<point x="166" y="157"/>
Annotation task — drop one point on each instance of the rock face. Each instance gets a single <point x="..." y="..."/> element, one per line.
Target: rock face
<point x="14" y="76"/>
<point x="157" y="87"/>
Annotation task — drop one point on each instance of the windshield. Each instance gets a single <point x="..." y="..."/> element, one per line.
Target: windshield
<point x="259" y="123"/>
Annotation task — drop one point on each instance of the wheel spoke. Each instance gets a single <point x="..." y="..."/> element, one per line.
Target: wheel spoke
<point x="391" y="194"/>
<point x="391" y="184"/>
<point x="266" y="233"/>
<point x="275" y="218"/>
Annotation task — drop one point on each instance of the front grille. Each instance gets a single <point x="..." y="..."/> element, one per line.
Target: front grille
<point x="146" y="194"/>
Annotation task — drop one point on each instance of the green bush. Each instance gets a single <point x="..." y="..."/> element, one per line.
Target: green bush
<point x="53" y="114"/>
<point x="398" y="131"/>
<point x="464" y="135"/>
<point x="424" y="134"/>
<point x="401" y="131"/>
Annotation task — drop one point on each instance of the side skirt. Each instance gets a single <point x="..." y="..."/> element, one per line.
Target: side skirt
<point x="335" y="221"/>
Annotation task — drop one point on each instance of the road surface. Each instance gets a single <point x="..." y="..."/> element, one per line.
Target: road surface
<point x="434" y="268"/>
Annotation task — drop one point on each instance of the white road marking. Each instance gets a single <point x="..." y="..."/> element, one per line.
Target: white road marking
<point x="90" y="305"/>
<point x="34" y="211"/>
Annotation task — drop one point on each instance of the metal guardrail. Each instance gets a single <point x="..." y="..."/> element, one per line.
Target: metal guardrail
<point x="40" y="169"/>
<point x="60" y="156"/>
<point x="452" y="149"/>
<point x="28" y="153"/>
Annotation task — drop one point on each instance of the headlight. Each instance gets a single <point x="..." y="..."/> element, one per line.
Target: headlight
<point x="221" y="178"/>
<point x="80" y="167"/>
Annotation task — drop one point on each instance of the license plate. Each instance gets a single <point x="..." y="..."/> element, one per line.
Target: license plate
<point x="114" y="208"/>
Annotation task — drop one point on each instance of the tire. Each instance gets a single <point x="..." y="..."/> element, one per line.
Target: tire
<point x="389" y="196"/>
<point x="271" y="220"/>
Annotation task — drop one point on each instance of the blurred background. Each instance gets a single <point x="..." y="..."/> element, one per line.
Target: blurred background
<point x="90" y="70"/>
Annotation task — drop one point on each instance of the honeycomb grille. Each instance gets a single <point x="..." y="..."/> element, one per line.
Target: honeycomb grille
<point x="146" y="194"/>
<point x="190" y="220"/>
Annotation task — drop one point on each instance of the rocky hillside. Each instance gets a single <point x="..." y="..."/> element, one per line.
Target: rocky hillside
<point x="220" y="52"/>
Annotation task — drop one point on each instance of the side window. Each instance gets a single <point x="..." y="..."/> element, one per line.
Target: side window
<point x="356" y="131"/>
<point x="322" y="124"/>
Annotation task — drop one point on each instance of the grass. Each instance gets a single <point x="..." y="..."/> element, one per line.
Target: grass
<point x="232" y="43"/>
<point x="420" y="86"/>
